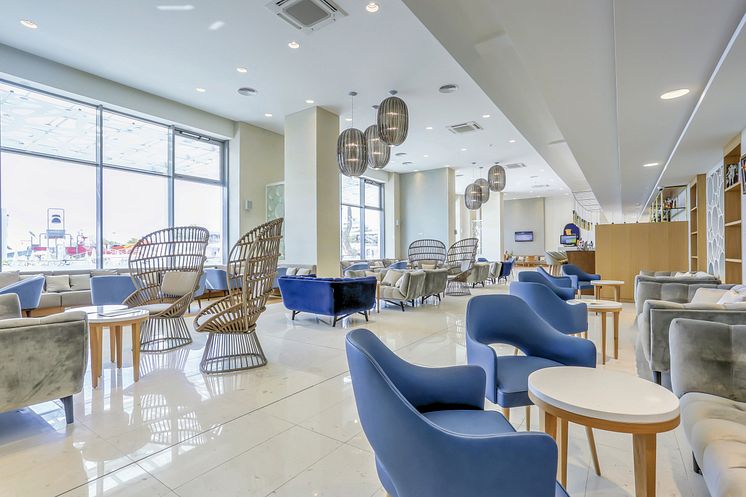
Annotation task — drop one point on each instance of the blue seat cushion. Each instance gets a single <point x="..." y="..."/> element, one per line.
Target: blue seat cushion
<point x="471" y="422"/>
<point x="512" y="378"/>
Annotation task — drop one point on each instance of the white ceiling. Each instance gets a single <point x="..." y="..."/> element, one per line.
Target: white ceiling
<point x="173" y="52"/>
<point x="582" y="78"/>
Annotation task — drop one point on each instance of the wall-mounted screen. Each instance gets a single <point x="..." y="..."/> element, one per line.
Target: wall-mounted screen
<point x="524" y="236"/>
<point x="568" y="240"/>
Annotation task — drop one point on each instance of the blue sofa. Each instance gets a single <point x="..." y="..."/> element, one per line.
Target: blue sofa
<point x="335" y="297"/>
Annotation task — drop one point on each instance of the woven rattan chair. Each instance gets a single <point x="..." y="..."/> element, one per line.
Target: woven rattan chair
<point x="231" y="321"/>
<point x="166" y="267"/>
<point x="427" y="254"/>
<point x="459" y="262"/>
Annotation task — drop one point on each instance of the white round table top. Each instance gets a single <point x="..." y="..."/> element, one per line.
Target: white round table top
<point x="598" y="305"/>
<point x="607" y="282"/>
<point x="112" y="313"/>
<point x="604" y="395"/>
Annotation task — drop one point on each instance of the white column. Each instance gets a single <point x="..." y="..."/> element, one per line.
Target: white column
<point x="492" y="227"/>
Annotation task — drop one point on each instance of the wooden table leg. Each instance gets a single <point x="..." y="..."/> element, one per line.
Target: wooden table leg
<point x="596" y="292"/>
<point x="603" y="337"/>
<point x="562" y="441"/>
<point x="528" y="418"/>
<point x="616" y="293"/>
<point x="548" y="423"/>
<point x="616" y="335"/>
<point x="117" y="336"/>
<point x="92" y="333"/>
<point x="594" y="453"/>
<point x="136" y="350"/>
<point x="112" y="345"/>
<point x="644" y="454"/>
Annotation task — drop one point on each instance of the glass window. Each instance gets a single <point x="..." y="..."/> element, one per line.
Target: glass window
<point x="198" y="157"/>
<point x="48" y="213"/>
<point x="135" y="204"/>
<point x="361" y="219"/>
<point x="40" y="123"/>
<point x="201" y="204"/>
<point x="136" y="144"/>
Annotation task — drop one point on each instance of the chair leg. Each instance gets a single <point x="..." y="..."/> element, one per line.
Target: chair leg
<point x="365" y="313"/>
<point x="294" y="313"/>
<point x="695" y="465"/>
<point x="506" y="413"/>
<point x="401" y="303"/>
<point x="334" y="323"/>
<point x="67" y="403"/>
<point x="658" y="377"/>
<point x="528" y="418"/>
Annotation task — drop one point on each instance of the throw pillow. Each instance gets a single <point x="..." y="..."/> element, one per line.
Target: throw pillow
<point x="403" y="283"/>
<point x="392" y="276"/>
<point x="58" y="283"/>
<point x="708" y="295"/>
<point x="9" y="277"/>
<point x="178" y="283"/>
<point x="80" y="282"/>
<point x="303" y="271"/>
<point x="731" y="297"/>
<point x="291" y="271"/>
<point x="702" y="274"/>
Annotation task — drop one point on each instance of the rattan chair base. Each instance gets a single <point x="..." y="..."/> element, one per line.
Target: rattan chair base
<point x="457" y="288"/>
<point x="230" y="352"/>
<point x="162" y="334"/>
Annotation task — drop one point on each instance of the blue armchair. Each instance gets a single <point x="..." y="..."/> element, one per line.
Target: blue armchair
<point x="431" y="435"/>
<point x="583" y="279"/>
<point x="111" y="289"/>
<point x="505" y="269"/>
<point x="563" y="316"/>
<point x="399" y="265"/>
<point x="535" y="277"/>
<point x="567" y="281"/>
<point x="28" y="291"/>
<point x="335" y="297"/>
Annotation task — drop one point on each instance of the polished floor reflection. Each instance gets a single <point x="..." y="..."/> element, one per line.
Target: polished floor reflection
<point x="289" y="429"/>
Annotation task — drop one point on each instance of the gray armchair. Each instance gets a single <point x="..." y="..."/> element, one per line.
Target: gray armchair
<point x="680" y="290"/>
<point x="480" y="272"/>
<point x="708" y="373"/>
<point x="42" y="358"/>
<point x="407" y="288"/>
<point x="435" y="283"/>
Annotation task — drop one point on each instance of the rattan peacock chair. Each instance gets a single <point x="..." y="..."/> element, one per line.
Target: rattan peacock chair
<point x="231" y="321"/>
<point x="166" y="267"/>
<point x="427" y="254"/>
<point x="459" y="262"/>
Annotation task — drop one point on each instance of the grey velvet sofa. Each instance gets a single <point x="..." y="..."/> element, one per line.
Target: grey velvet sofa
<point x="408" y="287"/>
<point x="654" y="322"/>
<point x="42" y="358"/>
<point x="435" y="284"/>
<point x="708" y="373"/>
<point x="669" y="288"/>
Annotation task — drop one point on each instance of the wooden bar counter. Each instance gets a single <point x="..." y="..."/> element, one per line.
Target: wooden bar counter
<point x="584" y="259"/>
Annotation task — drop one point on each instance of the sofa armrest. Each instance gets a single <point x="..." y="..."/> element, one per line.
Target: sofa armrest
<point x="10" y="306"/>
<point x="708" y="357"/>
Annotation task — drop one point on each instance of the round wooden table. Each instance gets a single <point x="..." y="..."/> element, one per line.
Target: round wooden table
<point x="113" y="317"/>
<point x="606" y="400"/>
<point x="604" y="307"/>
<point x="599" y="284"/>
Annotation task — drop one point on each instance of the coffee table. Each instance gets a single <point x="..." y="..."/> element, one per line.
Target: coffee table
<point x="604" y="307"/>
<point x="605" y="400"/>
<point x="113" y="317"/>
<point x="614" y="284"/>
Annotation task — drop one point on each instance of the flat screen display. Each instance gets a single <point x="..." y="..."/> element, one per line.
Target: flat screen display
<point x="569" y="240"/>
<point x="524" y="236"/>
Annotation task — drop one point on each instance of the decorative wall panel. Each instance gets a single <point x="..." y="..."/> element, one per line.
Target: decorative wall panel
<point x="276" y="209"/>
<point x="715" y="223"/>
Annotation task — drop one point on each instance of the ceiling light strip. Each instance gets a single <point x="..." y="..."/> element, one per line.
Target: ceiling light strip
<point x="701" y="98"/>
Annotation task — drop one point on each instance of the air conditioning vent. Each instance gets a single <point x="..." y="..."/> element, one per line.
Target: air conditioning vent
<point x="515" y="165"/>
<point x="460" y="129"/>
<point x="306" y="15"/>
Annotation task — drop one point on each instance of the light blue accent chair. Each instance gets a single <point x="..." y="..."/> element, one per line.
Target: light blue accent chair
<point x="111" y="289"/>
<point x="399" y="265"/>
<point x="28" y="290"/>
<point x="431" y="435"/>
<point x="535" y="277"/>
<point x="507" y="319"/>
<point x="566" y="281"/>
<point x="563" y="316"/>
<point x="584" y="279"/>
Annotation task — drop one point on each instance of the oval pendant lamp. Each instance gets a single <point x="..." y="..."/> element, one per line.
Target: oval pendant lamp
<point x="352" y="151"/>
<point x="379" y="152"/>
<point x="393" y="120"/>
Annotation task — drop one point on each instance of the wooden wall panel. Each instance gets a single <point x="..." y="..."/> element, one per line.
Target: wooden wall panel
<point x="623" y="250"/>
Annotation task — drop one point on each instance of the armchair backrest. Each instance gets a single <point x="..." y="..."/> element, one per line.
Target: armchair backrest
<point x="563" y="316"/>
<point x="538" y="278"/>
<point x="573" y="270"/>
<point x="10" y="306"/>
<point x="427" y="253"/>
<point x="462" y="254"/>
<point x="506" y="268"/>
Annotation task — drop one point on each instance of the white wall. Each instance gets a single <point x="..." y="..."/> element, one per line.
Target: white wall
<point x="392" y="214"/>
<point x="524" y="215"/>
<point x="425" y="206"/>
<point x="557" y="214"/>
<point x="492" y="222"/>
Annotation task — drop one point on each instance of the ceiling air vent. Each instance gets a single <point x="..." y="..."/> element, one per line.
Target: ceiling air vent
<point x="515" y="165"/>
<point x="306" y="15"/>
<point x="460" y="129"/>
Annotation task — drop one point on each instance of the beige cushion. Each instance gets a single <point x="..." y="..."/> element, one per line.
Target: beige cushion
<point x="75" y="298"/>
<point x="731" y="297"/>
<point x="392" y="276"/>
<point x="291" y="271"/>
<point x="403" y="283"/>
<point x="428" y="265"/>
<point x="9" y="277"/>
<point x="178" y="283"/>
<point x="303" y="271"/>
<point x="58" y="283"/>
<point x="80" y="282"/>
<point x="708" y="295"/>
<point x="50" y="300"/>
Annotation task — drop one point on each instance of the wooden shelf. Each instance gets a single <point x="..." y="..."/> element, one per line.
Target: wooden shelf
<point x="693" y="208"/>
<point x="735" y="261"/>
<point x="695" y="257"/>
<point x="733" y="223"/>
<point x="731" y="187"/>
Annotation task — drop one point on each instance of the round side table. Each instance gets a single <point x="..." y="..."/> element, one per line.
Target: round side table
<point x="604" y="307"/>
<point x="616" y="285"/>
<point x="113" y="318"/>
<point x="605" y="400"/>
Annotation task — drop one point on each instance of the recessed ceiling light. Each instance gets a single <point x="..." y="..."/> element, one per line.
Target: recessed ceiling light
<point x="541" y="170"/>
<point x="216" y="25"/>
<point x="426" y="156"/>
<point x="463" y="150"/>
<point x="294" y="45"/>
<point x="28" y="23"/>
<point x="651" y="164"/>
<point x="242" y="70"/>
<point x="348" y="119"/>
<point x="675" y="93"/>
<point x="267" y="114"/>
<point x="486" y="116"/>
<point x="429" y="128"/>
<point x="309" y="101"/>
<point x="200" y="90"/>
<point x="511" y="141"/>
<point x="175" y="7"/>
<point x="417" y="170"/>
<point x="372" y="7"/>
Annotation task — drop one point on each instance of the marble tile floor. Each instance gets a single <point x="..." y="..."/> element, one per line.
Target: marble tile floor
<point x="289" y="429"/>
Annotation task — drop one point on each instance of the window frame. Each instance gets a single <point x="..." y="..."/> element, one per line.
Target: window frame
<point x="362" y="208"/>
<point x="172" y="130"/>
